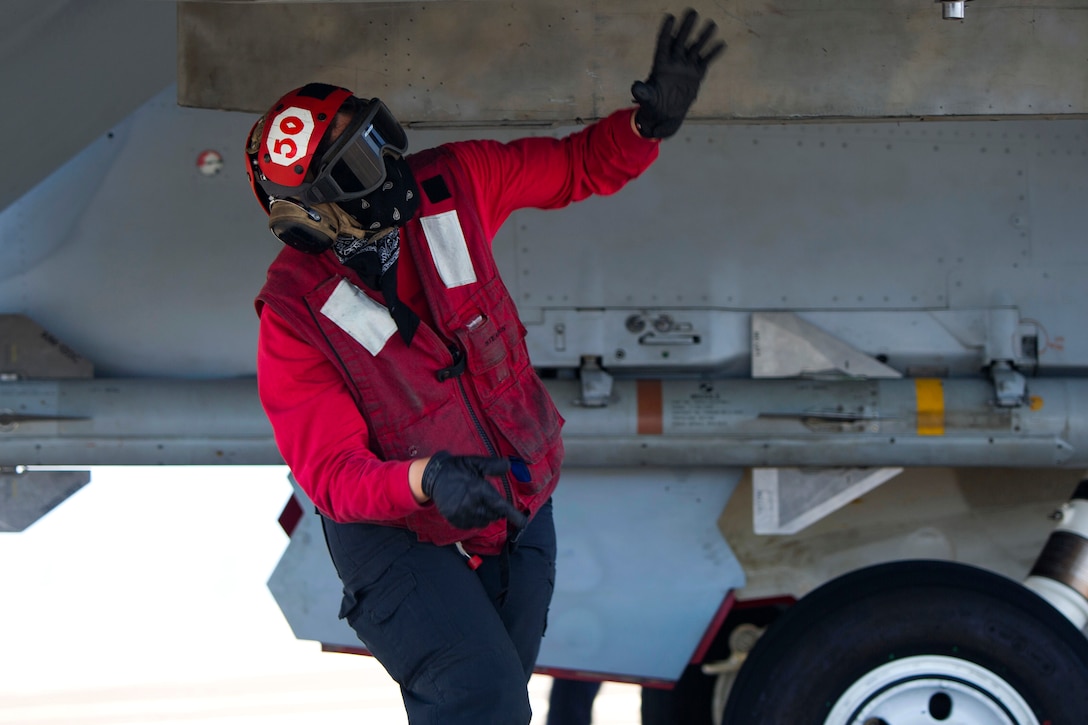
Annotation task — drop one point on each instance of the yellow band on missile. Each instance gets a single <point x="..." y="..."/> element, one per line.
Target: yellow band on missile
<point x="930" y="396"/>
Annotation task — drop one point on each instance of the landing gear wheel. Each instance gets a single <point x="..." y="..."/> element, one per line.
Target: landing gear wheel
<point x="915" y="642"/>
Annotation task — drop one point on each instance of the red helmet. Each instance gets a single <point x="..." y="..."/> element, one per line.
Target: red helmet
<point x="290" y="152"/>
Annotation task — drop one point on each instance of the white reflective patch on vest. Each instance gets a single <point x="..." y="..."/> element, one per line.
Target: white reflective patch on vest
<point x="449" y="248"/>
<point x="367" y="321"/>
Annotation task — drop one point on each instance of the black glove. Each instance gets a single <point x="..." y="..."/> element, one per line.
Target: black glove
<point x="665" y="97"/>
<point x="459" y="489"/>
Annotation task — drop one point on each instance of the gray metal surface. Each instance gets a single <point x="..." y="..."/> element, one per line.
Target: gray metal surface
<point x="72" y="68"/>
<point x="26" y="496"/>
<point x="877" y="217"/>
<point x="30" y="352"/>
<point x="808" y="216"/>
<point x="134" y="422"/>
<point x="136" y="260"/>
<point x="488" y="61"/>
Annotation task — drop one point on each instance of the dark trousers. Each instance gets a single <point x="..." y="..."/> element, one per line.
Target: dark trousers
<point x="461" y="647"/>
<point x="571" y="702"/>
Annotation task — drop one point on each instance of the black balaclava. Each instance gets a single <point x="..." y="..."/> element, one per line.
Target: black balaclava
<point x="374" y="257"/>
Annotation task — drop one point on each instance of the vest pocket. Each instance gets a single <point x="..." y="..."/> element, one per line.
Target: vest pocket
<point x="486" y="347"/>
<point x="526" y="417"/>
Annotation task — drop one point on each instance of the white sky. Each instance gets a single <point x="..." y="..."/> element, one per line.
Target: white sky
<point x="143" y="599"/>
<point x="150" y="576"/>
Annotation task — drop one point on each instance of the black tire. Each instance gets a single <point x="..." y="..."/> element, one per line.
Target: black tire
<point x="925" y="610"/>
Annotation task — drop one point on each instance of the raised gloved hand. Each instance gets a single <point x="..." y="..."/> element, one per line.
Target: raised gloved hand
<point x="665" y="97"/>
<point x="459" y="488"/>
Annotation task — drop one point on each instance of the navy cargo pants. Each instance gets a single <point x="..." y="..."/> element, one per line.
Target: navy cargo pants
<point x="461" y="647"/>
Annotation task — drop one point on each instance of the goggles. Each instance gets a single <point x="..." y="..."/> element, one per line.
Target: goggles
<point x="354" y="165"/>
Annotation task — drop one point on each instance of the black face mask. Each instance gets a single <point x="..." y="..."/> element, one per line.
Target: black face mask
<point x="391" y="205"/>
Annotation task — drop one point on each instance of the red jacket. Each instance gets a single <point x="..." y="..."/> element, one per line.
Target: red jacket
<point x="351" y="405"/>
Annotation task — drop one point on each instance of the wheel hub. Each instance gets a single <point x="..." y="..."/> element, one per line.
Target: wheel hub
<point x="930" y="689"/>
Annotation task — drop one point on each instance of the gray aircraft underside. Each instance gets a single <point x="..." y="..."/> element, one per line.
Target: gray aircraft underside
<point x="863" y="263"/>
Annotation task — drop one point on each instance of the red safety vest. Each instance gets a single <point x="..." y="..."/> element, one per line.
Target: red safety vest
<point x="481" y="398"/>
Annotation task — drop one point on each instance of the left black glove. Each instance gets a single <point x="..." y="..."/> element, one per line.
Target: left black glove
<point x="665" y="97"/>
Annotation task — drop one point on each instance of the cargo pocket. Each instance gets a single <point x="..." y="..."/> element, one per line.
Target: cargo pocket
<point x="382" y="607"/>
<point x="372" y="614"/>
<point x="400" y="619"/>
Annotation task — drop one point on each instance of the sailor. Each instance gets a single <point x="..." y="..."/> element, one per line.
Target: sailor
<point x="393" y="368"/>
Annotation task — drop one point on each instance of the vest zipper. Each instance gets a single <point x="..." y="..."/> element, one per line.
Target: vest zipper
<point x="483" y="436"/>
